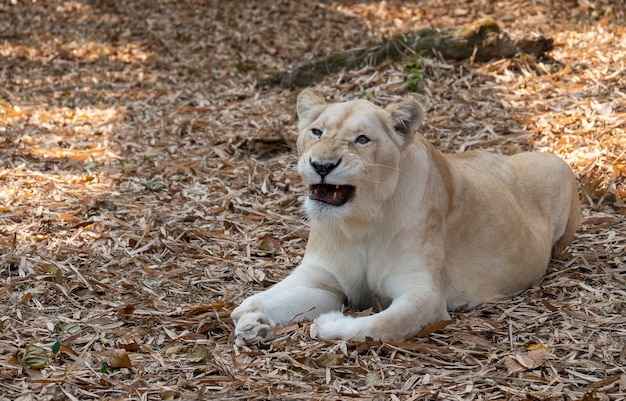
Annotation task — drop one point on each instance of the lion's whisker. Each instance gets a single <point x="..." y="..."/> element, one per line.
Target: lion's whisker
<point x="381" y="165"/>
<point x="375" y="181"/>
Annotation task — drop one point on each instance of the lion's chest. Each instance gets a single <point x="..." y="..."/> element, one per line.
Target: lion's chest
<point x="361" y="268"/>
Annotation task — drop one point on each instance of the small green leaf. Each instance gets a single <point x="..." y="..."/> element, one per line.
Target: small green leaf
<point x="154" y="186"/>
<point x="33" y="357"/>
<point x="415" y="75"/>
<point x="198" y="354"/>
<point x="245" y="67"/>
<point x="56" y="347"/>
<point x="104" y="368"/>
<point x="373" y="379"/>
<point x="71" y="328"/>
<point x="152" y="283"/>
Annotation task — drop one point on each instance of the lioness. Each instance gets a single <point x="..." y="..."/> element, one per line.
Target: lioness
<point x="396" y="223"/>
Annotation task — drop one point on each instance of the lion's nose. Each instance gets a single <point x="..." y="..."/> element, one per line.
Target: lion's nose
<point x="323" y="168"/>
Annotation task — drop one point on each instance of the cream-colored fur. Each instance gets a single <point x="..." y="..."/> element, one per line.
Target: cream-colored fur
<point x="420" y="234"/>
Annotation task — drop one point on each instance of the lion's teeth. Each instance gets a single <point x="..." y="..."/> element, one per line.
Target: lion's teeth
<point x="315" y="192"/>
<point x="334" y="195"/>
<point x="336" y="186"/>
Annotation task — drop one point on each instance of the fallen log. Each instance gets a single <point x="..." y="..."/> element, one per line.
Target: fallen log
<point x="481" y="40"/>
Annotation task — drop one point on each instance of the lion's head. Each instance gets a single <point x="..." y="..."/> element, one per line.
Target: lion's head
<point x="350" y="153"/>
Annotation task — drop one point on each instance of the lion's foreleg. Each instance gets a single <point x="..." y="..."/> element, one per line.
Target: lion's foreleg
<point x="290" y="300"/>
<point x="406" y="316"/>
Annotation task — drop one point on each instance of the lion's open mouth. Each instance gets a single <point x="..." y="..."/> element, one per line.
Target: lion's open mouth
<point x="335" y="195"/>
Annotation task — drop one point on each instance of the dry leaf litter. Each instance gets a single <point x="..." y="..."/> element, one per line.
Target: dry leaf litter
<point x="148" y="185"/>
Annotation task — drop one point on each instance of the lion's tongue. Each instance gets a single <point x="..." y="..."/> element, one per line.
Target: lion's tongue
<point x="335" y="195"/>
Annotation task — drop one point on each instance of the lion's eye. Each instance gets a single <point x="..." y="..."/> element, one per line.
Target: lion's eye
<point x="316" y="132"/>
<point x="362" y="140"/>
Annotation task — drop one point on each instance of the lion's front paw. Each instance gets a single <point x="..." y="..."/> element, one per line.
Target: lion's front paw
<point x="335" y="326"/>
<point x="254" y="327"/>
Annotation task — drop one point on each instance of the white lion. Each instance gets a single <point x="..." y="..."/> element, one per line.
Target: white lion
<point x="396" y="223"/>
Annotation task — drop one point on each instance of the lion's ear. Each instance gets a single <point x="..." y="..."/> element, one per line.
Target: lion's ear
<point x="406" y="117"/>
<point x="308" y="102"/>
